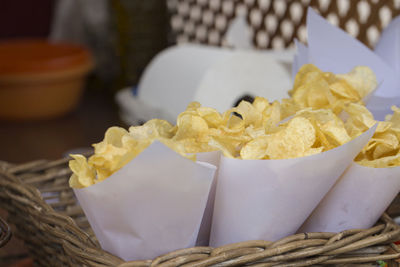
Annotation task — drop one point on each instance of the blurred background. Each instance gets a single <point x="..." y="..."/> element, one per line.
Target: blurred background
<point x="106" y="44"/>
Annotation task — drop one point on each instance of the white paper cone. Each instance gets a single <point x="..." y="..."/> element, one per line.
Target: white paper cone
<point x="301" y="57"/>
<point x="332" y="49"/>
<point x="152" y="206"/>
<point x="270" y="199"/>
<point x="388" y="46"/>
<point x="356" y="201"/>
<point x="205" y="227"/>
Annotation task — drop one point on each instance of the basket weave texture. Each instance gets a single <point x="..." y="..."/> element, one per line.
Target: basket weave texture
<point x="46" y="214"/>
<point x="5" y="233"/>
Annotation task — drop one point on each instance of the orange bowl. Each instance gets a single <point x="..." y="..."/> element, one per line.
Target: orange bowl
<point x="40" y="79"/>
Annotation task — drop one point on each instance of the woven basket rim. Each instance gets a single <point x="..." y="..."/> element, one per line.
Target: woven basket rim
<point x="314" y="247"/>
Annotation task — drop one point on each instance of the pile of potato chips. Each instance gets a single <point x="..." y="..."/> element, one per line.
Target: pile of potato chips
<point x="317" y="89"/>
<point x="382" y="150"/>
<point x="305" y="124"/>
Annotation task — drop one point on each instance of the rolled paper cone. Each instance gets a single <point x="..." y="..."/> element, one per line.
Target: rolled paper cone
<point x="328" y="54"/>
<point x="152" y="206"/>
<point x="271" y="199"/>
<point x="203" y="238"/>
<point x="356" y="201"/>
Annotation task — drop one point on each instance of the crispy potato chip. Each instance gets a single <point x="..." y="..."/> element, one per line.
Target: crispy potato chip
<point x="383" y="150"/>
<point x="386" y="162"/>
<point x="362" y="79"/>
<point x="232" y="125"/>
<point x="256" y="148"/>
<point x="360" y="119"/>
<point x="293" y="141"/>
<point x="343" y="90"/>
<point x="114" y="135"/>
<point x="152" y="129"/>
<point x="331" y="129"/>
<point x="211" y="116"/>
<point x="260" y="104"/>
<point x="288" y="108"/>
<point x="83" y="174"/>
<point x="316" y="89"/>
<point x="190" y="126"/>
<point x="250" y="115"/>
<point x="306" y="74"/>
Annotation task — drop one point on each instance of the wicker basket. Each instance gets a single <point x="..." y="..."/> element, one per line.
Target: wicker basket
<point x="5" y="233"/>
<point x="46" y="214"/>
<point x="44" y="210"/>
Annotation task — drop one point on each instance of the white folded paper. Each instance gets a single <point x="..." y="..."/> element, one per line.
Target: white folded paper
<point x="153" y="205"/>
<point x="270" y="199"/>
<point x="242" y="73"/>
<point x="217" y="77"/>
<point x="332" y="49"/>
<point x="356" y="201"/>
<point x="212" y="158"/>
<point x="170" y="80"/>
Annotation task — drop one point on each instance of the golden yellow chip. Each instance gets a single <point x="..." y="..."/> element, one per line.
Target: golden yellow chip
<point x="190" y="126"/>
<point x="211" y="116"/>
<point x="83" y="174"/>
<point x="260" y="104"/>
<point x="362" y="79"/>
<point x="344" y="90"/>
<point x="256" y="148"/>
<point x="293" y="141"/>
<point x="331" y="129"/>
<point x="386" y="162"/>
<point x="360" y="119"/>
<point x="306" y="74"/>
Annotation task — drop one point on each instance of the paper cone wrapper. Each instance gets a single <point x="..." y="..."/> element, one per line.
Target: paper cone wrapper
<point x="332" y="49"/>
<point x="270" y="199"/>
<point x="153" y="205"/>
<point x="212" y="158"/>
<point x="356" y="201"/>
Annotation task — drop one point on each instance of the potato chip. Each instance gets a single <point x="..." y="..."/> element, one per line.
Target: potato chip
<point x="271" y="117"/>
<point x="306" y="74"/>
<point x="360" y="119"/>
<point x="228" y="148"/>
<point x="331" y="129"/>
<point x="316" y="89"/>
<point x="83" y="174"/>
<point x="114" y="136"/>
<point x="386" y="162"/>
<point x="190" y="126"/>
<point x="256" y="148"/>
<point x="343" y="90"/>
<point x="382" y="151"/>
<point x="293" y="141"/>
<point x="211" y="116"/>
<point x="232" y="124"/>
<point x="152" y="129"/>
<point x="250" y="115"/>
<point x="260" y="104"/>
<point x="362" y="79"/>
